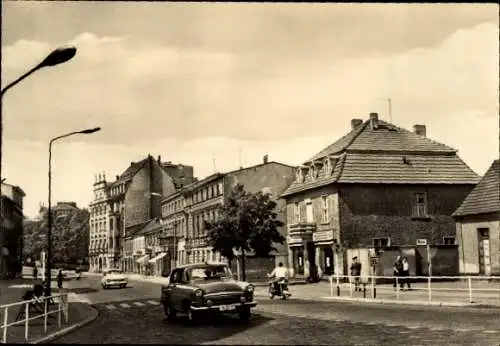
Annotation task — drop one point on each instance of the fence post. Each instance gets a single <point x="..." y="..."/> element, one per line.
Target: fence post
<point x="338" y="284"/>
<point x="45" y="315"/>
<point x="59" y="308"/>
<point x="429" y="287"/>
<point x="350" y="285"/>
<point x="5" y="322"/>
<point x="469" y="285"/>
<point x="331" y="286"/>
<point x="66" y="317"/>
<point x="397" y="288"/>
<point x="373" y="287"/>
<point x="26" y="321"/>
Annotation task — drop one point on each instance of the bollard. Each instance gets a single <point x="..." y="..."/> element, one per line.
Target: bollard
<point x="364" y="290"/>
<point x="374" y="293"/>
<point x="338" y="291"/>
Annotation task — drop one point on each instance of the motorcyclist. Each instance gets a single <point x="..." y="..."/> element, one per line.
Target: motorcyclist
<point x="278" y="274"/>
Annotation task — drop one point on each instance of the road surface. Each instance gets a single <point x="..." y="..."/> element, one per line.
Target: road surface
<point x="134" y="315"/>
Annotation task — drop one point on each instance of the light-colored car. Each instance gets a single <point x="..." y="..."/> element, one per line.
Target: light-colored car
<point x="114" y="278"/>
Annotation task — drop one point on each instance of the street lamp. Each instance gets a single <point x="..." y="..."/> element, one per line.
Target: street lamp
<point x="56" y="57"/>
<point x="48" y="269"/>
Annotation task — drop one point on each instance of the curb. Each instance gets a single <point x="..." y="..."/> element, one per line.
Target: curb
<point x="93" y="315"/>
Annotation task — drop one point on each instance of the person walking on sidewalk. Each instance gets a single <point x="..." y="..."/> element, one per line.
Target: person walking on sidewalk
<point x="59" y="279"/>
<point x="406" y="273"/>
<point x="356" y="273"/>
<point x="397" y="271"/>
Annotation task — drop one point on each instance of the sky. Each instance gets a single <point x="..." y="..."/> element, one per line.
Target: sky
<point x="217" y="86"/>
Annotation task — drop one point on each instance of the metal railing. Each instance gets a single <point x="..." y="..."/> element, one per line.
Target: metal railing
<point x="465" y="285"/>
<point x="24" y="308"/>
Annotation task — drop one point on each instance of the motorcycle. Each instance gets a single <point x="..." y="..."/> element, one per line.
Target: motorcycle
<point x="279" y="289"/>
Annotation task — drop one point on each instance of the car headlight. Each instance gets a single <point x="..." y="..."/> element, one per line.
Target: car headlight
<point x="198" y="293"/>
<point x="249" y="288"/>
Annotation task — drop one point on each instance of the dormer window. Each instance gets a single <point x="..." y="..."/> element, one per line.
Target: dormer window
<point x="298" y="175"/>
<point x="317" y="167"/>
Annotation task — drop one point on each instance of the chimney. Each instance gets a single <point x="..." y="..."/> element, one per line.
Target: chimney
<point x="159" y="159"/>
<point x="374" y="120"/>
<point x="355" y="123"/>
<point x="265" y="159"/>
<point x="420" y="130"/>
<point x="117" y="177"/>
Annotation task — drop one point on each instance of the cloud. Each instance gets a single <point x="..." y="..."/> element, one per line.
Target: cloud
<point x="118" y="82"/>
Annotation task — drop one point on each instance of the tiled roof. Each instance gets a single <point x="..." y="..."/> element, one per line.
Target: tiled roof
<point x="130" y="171"/>
<point x="386" y="137"/>
<point x="407" y="169"/>
<point x="149" y="226"/>
<point x="485" y="197"/>
<point x="388" y="154"/>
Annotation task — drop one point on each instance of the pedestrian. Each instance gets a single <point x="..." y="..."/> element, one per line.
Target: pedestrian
<point x="59" y="279"/>
<point x="356" y="273"/>
<point x="406" y="273"/>
<point x="35" y="272"/>
<point x="397" y="270"/>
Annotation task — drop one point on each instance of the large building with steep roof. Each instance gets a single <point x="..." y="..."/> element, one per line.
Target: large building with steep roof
<point x="121" y="206"/>
<point x="478" y="226"/>
<point x="378" y="187"/>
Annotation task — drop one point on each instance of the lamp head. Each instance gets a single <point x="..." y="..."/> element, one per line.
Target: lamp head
<point x="58" y="56"/>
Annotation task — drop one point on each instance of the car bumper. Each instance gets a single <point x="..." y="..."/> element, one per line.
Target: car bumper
<point x="116" y="283"/>
<point x="223" y="308"/>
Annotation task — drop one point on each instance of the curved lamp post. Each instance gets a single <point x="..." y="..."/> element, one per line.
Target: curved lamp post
<point x="56" y="57"/>
<point x="48" y="267"/>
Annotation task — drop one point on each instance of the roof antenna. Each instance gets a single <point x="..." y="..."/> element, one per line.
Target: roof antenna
<point x="239" y="157"/>
<point x="389" y="101"/>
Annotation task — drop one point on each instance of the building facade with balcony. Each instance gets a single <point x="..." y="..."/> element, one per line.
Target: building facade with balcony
<point x="478" y="226"/>
<point x="378" y="188"/>
<point x="203" y="198"/>
<point x="11" y="231"/>
<point x="175" y="220"/>
<point x="120" y="208"/>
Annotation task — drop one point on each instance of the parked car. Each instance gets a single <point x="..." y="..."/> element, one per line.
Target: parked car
<point x="114" y="277"/>
<point x="197" y="289"/>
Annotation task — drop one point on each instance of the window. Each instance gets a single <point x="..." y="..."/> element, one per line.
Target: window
<point x="419" y="204"/>
<point x="449" y="240"/>
<point x="381" y="243"/>
<point x="324" y="207"/>
<point x="309" y="211"/>
<point x="296" y="212"/>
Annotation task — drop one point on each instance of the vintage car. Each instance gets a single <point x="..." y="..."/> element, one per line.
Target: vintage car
<point x="113" y="277"/>
<point x="196" y="289"/>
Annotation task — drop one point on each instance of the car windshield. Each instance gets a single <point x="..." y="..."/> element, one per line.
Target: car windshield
<point x="216" y="273"/>
<point x="114" y="272"/>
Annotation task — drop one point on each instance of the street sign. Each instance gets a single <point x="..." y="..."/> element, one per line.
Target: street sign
<point x="421" y="242"/>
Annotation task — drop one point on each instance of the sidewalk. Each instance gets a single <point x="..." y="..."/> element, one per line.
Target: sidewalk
<point x="79" y="314"/>
<point x="445" y="293"/>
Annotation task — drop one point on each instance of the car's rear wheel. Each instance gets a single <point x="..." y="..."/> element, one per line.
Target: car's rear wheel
<point x="170" y="313"/>
<point x="245" y="314"/>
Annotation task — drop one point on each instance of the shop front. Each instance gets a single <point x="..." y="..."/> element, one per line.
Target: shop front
<point x="158" y="263"/>
<point x="324" y="254"/>
<point x="301" y="249"/>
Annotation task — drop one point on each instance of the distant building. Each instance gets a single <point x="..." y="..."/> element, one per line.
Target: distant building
<point x="182" y="175"/>
<point x="11" y="230"/>
<point x="377" y="192"/>
<point x="478" y="226"/>
<point x="121" y="207"/>
<point x="63" y="209"/>
<point x="185" y="211"/>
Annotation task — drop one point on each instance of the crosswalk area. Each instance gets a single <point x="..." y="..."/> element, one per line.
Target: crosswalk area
<point x="113" y="306"/>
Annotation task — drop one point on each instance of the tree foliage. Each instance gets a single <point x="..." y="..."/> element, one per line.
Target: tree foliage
<point x="246" y="223"/>
<point x="70" y="237"/>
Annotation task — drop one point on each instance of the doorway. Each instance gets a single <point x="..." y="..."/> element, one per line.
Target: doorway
<point x="484" y="251"/>
<point x="328" y="259"/>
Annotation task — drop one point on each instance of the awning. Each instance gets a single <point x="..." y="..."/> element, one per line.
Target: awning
<point x="142" y="259"/>
<point x="160" y="256"/>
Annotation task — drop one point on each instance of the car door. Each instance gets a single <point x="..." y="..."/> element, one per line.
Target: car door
<point x="173" y="289"/>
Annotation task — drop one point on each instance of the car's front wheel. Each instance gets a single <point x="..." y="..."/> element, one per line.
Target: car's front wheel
<point x="170" y="313"/>
<point x="104" y="286"/>
<point x="245" y="314"/>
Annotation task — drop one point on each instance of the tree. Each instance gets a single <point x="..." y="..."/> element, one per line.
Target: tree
<point x="70" y="237"/>
<point x="246" y="222"/>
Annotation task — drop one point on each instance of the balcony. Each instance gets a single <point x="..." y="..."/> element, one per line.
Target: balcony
<point x="301" y="229"/>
